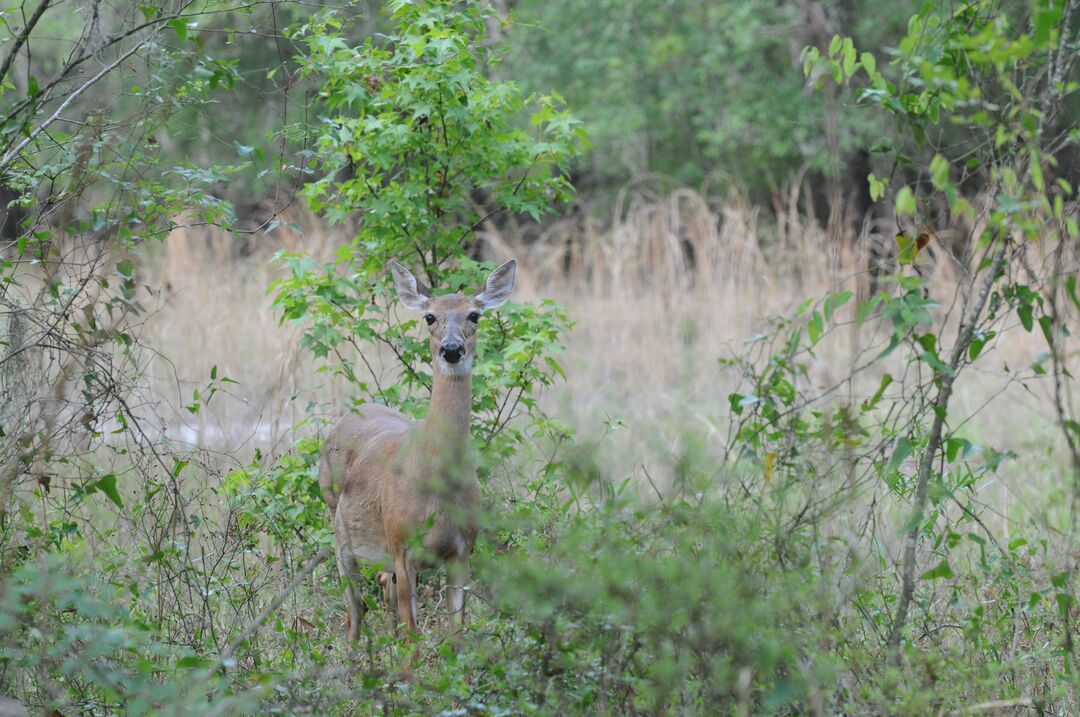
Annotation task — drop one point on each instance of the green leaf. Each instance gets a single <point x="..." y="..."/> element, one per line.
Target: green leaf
<point x="877" y="187"/>
<point x="555" y="366"/>
<point x="904" y="448"/>
<point x="1064" y="602"/>
<point x="179" y="27"/>
<point x="107" y="485"/>
<point x="850" y="57"/>
<point x="1046" y="19"/>
<point x="810" y="57"/>
<point x="905" y="201"/>
<point x="957" y="447"/>
<point x="918" y="133"/>
<point x="936" y="363"/>
<point x="1026" y="320"/>
<point x="1047" y="326"/>
<point x="939" y="171"/>
<point x="978" y="341"/>
<point x="869" y="64"/>
<point x="815" y="327"/>
<point x="1035" y="170"/>
<point x="866" y="308"/>
<point x="907" y="248"/>
<point x="1073" y="426"/>
<point x="941" y="570"/>
<point x="929" y="342"/>
<point x="886" y="379"/>
<point x="894" y="341"/>
<point x="834" y="302"/>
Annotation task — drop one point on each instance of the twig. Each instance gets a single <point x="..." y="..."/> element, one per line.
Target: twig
<point x="649" y="478"/>
<point x="23" y="36"/>
<point x="45" y="93"/>
<point x="12" y="153"/>
<point x="1064" y="421"/>
<point x="993" y="706"/>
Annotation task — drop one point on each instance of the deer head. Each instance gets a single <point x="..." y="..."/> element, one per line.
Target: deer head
<point x="452" y="319"/>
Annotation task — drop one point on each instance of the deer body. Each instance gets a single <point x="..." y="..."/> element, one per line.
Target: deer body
<point x="388" y="479"/>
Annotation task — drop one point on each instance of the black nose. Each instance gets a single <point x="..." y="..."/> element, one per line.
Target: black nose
<point x="452" y="352"/>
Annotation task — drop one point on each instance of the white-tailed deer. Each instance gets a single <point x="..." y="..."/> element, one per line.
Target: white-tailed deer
<point x="390" y="480"/>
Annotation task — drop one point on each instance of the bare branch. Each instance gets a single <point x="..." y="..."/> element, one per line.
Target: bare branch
<point x="21" y="40"/>
<point x="13" y="152"/>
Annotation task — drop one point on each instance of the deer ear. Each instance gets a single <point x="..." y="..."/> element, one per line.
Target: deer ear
<point x="412" y="293"/>
<point x="498" y="286"/>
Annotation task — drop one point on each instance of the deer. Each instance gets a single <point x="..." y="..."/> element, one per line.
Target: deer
<point x="403" y="492"/>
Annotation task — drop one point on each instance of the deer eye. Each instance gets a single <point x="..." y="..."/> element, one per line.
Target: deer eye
<point x="429" y="318"/>
<point x="474" y="317"/>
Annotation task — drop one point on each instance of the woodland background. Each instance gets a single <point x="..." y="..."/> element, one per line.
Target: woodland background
<point x="782" y="418"/>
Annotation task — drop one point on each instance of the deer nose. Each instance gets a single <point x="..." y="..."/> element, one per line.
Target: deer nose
<point x="452" y="351"/>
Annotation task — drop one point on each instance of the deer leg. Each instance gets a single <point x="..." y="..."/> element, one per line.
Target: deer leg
<point x="350" y="573"/>
<point x="457" y="575"/>
<point x="389" y="590"/>
<point x="405" y="572"/>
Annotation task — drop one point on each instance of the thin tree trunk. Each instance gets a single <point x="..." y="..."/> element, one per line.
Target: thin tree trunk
<point x="926" y="463"/>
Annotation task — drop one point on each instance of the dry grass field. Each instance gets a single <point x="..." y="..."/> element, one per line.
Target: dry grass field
<point x="659" y="290"/>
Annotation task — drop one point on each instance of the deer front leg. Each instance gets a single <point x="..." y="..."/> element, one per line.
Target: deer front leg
<point x="405" y="572"/>
<point x="457" y="575"/>
<point x="389" y="591"/>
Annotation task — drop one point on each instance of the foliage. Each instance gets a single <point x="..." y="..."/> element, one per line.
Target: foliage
<point x="1004" y="84"/>
<point x="663" y="609"/>
<point x="698" y="91"/>
<point x="82" y="197"/>
<point x="420" y="148"/>
<point x="80" y="652"/>
<point x="283" y="500"/>
<point x="90" y="100"/>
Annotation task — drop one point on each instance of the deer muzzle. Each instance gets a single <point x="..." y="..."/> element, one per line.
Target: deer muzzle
<point x="452" y="351"/>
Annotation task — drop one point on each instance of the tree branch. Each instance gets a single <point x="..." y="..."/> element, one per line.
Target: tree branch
<point x="23" y="36"/>
<point x="13" y="152"/>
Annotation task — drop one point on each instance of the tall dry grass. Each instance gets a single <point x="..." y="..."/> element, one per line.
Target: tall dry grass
<point x="211" y="310"/>
<point x="659" y="287"/>
<point x="667" y="283"/>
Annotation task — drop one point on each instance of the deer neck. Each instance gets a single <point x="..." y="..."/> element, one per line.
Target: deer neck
<point x="450" y="413"/>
